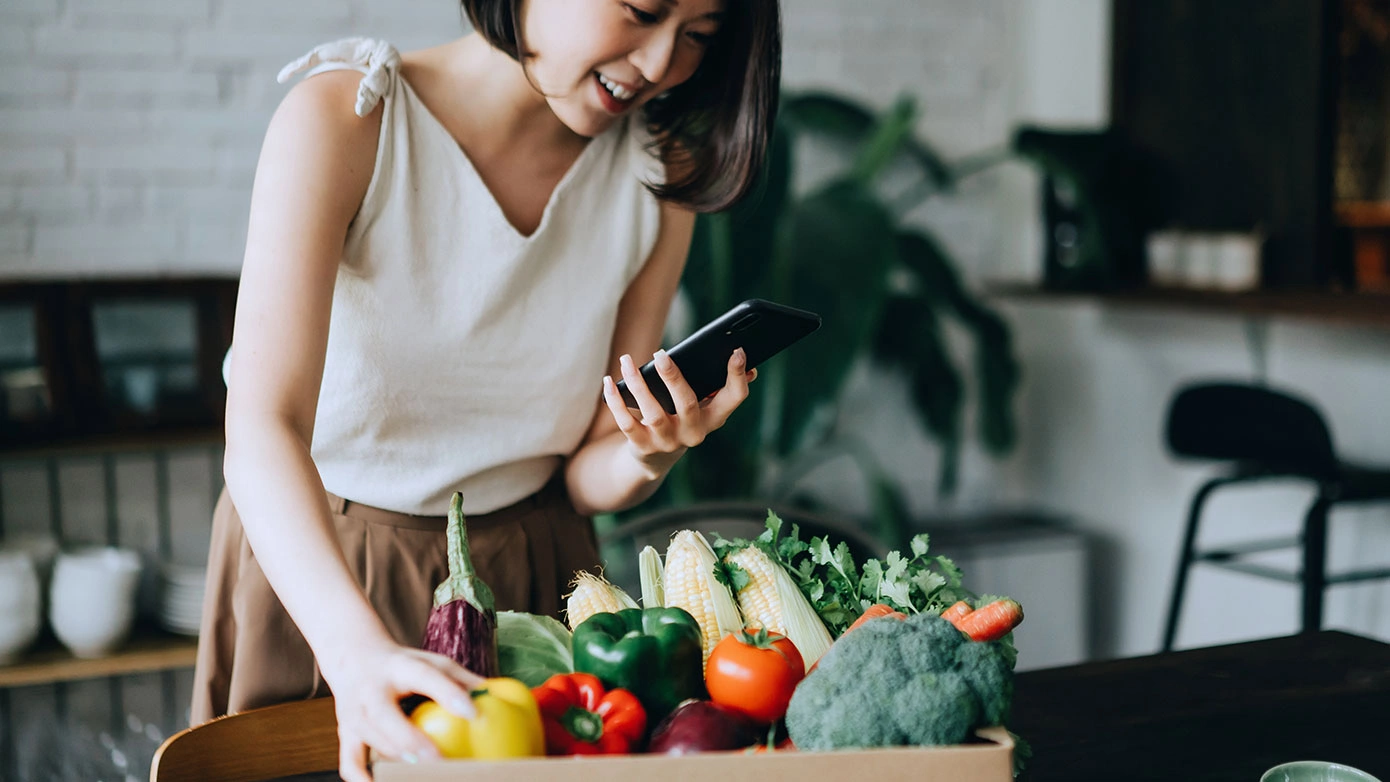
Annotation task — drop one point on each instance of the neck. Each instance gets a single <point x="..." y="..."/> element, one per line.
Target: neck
<point x="506" y="108"/>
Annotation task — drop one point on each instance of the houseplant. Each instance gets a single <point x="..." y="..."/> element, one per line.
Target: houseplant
<point x="885" y="288"/>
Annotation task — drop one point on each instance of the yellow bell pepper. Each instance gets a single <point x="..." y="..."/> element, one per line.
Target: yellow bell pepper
<point x="508" y="724"/>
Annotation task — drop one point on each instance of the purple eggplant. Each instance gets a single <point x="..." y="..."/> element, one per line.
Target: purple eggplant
<point x="463" y="621"/>
<point x="703" y="726"/>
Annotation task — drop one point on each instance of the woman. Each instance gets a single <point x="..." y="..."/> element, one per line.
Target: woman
<point x="450" y="255"/>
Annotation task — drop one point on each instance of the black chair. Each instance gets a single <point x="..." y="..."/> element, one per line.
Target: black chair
<point x="1266" y="435"/>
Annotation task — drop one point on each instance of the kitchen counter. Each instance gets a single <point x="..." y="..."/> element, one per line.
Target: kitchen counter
<point x="1219" y="713"/>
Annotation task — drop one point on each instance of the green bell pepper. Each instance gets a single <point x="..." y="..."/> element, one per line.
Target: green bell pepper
<point x="654" y="653"/>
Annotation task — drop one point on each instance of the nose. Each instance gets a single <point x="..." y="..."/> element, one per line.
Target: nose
<point x="653" y="57"/>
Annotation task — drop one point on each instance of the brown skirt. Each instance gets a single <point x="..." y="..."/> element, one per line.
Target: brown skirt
<point x="250" y="653"/>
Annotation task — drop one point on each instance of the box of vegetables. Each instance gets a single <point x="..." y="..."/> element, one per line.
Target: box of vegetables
<point x="776" y="657"/>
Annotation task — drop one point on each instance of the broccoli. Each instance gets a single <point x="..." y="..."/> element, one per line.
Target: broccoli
<point x="891" y="682"/>
<point x="990" y="674"/>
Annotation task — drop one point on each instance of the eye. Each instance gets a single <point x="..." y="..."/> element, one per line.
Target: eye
<point x="641" y="16"/>
<point x="702" y="39"/>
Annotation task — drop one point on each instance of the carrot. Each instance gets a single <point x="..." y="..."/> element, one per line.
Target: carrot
<point x="957" y="612"/>
<point x="991" y="622"/>
<point x="873" y="612"/>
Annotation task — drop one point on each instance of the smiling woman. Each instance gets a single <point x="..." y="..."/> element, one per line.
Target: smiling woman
<point x="451" y="255"/>
<point x="707" y="77"/>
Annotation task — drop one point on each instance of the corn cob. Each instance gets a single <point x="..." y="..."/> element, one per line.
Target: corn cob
<point x="758" y="600"/>
<point x="771" y="599"/>
<point x="649" y="568"/>
<point x="593" y="595"/>
<point x="689" y="583"/>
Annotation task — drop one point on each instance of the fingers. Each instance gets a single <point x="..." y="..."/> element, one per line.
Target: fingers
<point x="352" y="760"/>
<point x="652" y="411"/>
<point x="735" y="390"/>
<point x="373" y="718"/>
<point x="622" y="415"/>
<point x="446" y="683"/>
<point x="687" y="405"/>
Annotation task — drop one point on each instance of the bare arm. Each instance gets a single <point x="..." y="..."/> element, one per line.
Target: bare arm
<point x="624" y="458"/>
<point x="315" y="166"/>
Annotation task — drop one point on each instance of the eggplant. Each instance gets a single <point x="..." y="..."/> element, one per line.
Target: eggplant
<point x="463" y="622"/>
<point x="704" y="726"/>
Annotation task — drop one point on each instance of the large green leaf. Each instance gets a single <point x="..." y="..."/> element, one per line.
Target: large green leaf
<point x="997" y="369"/>
<point x="731" y="252"/>
<point x="755" y="218"/>
<point x="839" y="244"/>
<point x="849" y="123"/>
<point x="883" y="145"/>
<point x="910" y="340"/>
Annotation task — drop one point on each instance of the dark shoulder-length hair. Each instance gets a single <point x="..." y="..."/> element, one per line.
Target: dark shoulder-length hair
<point x="713" y="130"/>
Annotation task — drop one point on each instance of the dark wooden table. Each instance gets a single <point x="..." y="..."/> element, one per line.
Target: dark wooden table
<point x="1220" y="713"/>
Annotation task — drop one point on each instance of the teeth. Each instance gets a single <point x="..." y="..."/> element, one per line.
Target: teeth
<point x="616" y="90"/>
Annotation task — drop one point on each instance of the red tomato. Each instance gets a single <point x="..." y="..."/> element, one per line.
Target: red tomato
<point x="755" y="673"/>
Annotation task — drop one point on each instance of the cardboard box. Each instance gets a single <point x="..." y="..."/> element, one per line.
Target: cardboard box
<point x="991" y="761"/>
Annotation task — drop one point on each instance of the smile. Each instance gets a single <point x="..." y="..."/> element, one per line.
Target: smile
<point x="616" y="90"/>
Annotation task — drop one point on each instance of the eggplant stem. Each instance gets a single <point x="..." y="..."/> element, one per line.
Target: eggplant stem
<point x="463" y="582"/>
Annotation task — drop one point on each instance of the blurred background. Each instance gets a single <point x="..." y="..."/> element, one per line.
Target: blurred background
<point x="1030" y="224"/>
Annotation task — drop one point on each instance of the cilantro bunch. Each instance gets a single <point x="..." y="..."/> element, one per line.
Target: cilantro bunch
<point x="839" y="588"/>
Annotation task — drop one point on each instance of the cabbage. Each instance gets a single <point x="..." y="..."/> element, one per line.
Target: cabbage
<point x="532" y="648"/>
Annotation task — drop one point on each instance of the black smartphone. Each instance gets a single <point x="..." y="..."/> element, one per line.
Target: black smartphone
<point x="762" y="328"/>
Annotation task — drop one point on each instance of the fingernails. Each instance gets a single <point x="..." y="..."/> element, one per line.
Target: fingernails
<point x="740" y="356"/>
<point x="626" y="362"/>
<point x="662" y="360"/>
<point x="410" y="757"/>
<point x="461" y="707"/>
<point x="608" y="384"/>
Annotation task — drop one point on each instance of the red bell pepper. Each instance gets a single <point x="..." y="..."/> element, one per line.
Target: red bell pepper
<point x="580" y="717"/>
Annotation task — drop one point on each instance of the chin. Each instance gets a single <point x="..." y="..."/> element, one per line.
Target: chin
<point x="585" y="121"/>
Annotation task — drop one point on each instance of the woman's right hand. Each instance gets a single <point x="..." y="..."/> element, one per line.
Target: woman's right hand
<point x="368" y="689"/>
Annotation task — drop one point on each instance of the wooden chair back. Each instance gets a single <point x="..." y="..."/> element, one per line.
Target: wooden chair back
<point x="284" y="740"/>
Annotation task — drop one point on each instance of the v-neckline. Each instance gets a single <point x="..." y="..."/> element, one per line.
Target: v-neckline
<point x="496" y="205"/>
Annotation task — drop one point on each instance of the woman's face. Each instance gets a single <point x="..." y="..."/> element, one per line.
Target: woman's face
<point x="599" y="60"/>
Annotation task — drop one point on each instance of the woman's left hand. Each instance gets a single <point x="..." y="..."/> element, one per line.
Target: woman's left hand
<point x="658" y="439"/>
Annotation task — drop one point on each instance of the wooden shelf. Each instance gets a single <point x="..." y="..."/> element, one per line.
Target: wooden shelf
<point x="149" y="649"/>
<point x="1353" y="309"/>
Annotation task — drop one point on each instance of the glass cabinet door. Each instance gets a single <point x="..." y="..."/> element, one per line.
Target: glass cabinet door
<point x="26" y="402"/>
<point x="147" y="353"/>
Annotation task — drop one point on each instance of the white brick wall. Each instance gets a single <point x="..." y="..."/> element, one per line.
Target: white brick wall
<point x="129" y="130"/>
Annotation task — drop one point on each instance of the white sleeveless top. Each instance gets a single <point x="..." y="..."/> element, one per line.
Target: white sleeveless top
<point x="463" y="355"/>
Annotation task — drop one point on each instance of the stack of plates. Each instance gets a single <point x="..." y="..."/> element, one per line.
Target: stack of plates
<point x="181" y="598"/>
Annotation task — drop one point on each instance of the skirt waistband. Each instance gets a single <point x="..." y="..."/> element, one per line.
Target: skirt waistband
<point x="552" y="492"/>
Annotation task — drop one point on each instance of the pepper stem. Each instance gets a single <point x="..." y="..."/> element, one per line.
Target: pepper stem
<point x="583" y="724"/>
<point x="463" y="582"/>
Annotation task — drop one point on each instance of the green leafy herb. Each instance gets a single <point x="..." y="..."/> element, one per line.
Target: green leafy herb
<point x="730" y="574"/>
<point x="838" y="587"/>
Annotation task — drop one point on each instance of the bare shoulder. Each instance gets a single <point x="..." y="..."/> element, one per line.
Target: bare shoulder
<point x="321" y="108"/>
<point x="317" y="140"/>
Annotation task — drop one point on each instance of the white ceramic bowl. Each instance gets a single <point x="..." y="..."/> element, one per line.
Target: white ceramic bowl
<point x="92" y="599"/>
<point x="20" y="617"/>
